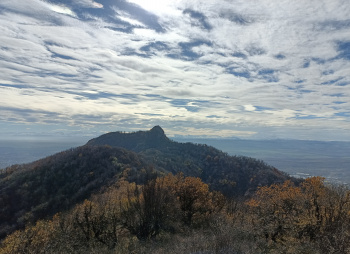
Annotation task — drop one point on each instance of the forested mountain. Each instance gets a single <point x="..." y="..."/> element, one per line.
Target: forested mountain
<point x="232" y="175"/>
<point x="53" y="184"/>
<point x="40" y="189"/>
<point x="143" y="193"/>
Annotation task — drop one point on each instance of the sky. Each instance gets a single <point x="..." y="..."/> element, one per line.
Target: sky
<point x="250" y="69"/>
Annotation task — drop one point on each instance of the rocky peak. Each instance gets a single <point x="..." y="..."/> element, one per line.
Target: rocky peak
<point x="157" y="131"/>
<point x="136" y="141"/>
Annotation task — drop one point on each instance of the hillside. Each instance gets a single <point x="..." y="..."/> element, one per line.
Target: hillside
<point x="42" y="188"/>
<point x="116" y="195"/>
<point x="233" y="175"/>
<point x="54" y="184"/>
<point x="174" y="214"/>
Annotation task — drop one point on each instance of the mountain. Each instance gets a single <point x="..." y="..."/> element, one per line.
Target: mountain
<point x="233" y="175"/>
<point x="135" y="141"/>
<point x="40" y="189"/>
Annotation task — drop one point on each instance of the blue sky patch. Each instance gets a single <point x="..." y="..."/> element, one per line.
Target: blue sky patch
<point x="343" y="114"/>
<point x="280" y="56"/>
<point x="260" y="108"/>
<point x="186" y="48"/>
<point x="345" y="83"/>
<point x="202" y="19"/>
<point x="56" y="55"/>
<point x="334" y="24"/>
<point x="327" y="72"/>
<point x="19" y="86"/>
<point x="307" y="117"/>
<point x="343" y="48"/>
<point x="268" y="74"/>
<point x="255" y="51"/>
<point x="236" y="18"/>
<point x="318" y="60"/>
<point x="330" y="82"/>
<point x="239" y="55"/>
<point x="158" y="45"/>
<point x="306" y="64"/>
<point x="337" y="95"/>
<point x="244" y="74"/>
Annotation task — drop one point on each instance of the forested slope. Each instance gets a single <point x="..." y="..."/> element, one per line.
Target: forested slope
<point x="174" y="214"/>
<point x="233" y="175"/>
<point x="42" y="188"/>
<point x="38" y="190"/>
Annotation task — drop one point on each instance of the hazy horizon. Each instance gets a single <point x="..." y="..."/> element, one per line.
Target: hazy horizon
<point x="296" y="157"/>
<point x="253" y="70"/>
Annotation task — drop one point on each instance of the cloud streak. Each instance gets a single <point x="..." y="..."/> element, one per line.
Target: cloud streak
<point x="222" y="68"/>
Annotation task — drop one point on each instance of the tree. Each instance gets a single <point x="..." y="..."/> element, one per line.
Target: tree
<point x="312" y="212"/>
<point x="277" y="210"/>
<point x="147" y="209"/>
<point x="196" y="202"/>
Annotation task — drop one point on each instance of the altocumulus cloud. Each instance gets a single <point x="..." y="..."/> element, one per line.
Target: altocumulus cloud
<point x="268" y="69"/>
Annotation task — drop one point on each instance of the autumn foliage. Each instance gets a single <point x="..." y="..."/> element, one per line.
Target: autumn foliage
<point x="127" y="210"/>
<point x="309" y="213"/>
<point x="178" y="214"/>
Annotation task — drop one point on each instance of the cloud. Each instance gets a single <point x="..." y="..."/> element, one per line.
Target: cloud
<point x="222" y="68"/>
<point x="88" y="4"/>
<point x="61" y="9"/>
